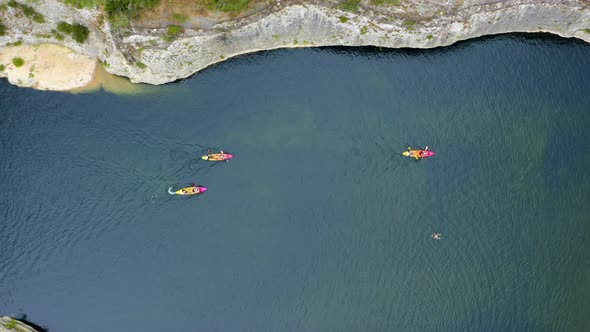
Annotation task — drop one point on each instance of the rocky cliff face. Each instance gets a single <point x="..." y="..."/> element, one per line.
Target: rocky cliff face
<point x="8" y="324"/>
<point x="149" y="55"/>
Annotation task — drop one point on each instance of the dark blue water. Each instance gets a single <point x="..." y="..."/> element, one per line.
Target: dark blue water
<point x="319" y="223"/>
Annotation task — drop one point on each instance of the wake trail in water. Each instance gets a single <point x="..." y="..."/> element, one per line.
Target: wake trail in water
<point x="382" y="154"/>
<point x="191" y="165"/>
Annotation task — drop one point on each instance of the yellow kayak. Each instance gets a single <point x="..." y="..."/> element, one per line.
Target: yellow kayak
<point x="418" y="154"/>
<point x="217" y="156"/>
<point x="188" y="191"/>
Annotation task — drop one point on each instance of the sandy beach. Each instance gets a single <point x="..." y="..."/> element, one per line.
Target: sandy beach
<point x="47" y="67"/>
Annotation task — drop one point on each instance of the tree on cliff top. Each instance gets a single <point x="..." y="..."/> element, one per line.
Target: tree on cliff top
<point x="119" y="5"/>
<point x="119" y="12"/>
<point x="78" y="32"/>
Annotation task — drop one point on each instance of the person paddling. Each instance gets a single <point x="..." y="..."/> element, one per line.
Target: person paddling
<point x="206" y="157"/>
<point x="423" y="152"/>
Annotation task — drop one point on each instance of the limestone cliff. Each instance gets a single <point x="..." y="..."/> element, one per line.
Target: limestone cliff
<point x="8" y="324"/>
<point x="148" y="53"/>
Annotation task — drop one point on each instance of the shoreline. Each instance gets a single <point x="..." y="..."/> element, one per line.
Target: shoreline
<point x="49" y="70"/>
<point x="103" y="80"/>
<point x="46" y="67"/>
<point x="143" y="55"/>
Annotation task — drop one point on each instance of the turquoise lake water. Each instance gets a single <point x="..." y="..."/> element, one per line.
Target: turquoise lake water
<point x="319" y="223"/>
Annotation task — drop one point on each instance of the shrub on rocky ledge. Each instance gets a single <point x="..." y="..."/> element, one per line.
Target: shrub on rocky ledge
<point x="38" y="18"/>
<point x="410" y="25"/>
<point x="350" y="5"/>
<point x="11" y="325"/>
<point x="120" y="12"/>
<point x="78" y="32"/>
<point x="171" y="32"/>
<point x="28" y="11"/>
<point x="18" y="62"/>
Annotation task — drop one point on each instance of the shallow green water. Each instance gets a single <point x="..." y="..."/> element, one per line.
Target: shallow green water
<point x="319" y="223"/>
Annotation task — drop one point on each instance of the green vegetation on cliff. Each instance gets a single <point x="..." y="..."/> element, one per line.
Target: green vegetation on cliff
<point x="83" y="3"/>
<point x="227" y="5"/>
<point x="2" y="29"/>
<point x="410" y="25"/>
<point x="385" y="2"/>
<point x="10" y="325"/>
<point x="18" y="62"/>
<point x="28" y="11"/>
<point x="78" y="32"/>
<point x="171" y="32"/>
<point x="179" y="18"/>
<point x="350" y="5"/>
<point x="115" y="6"/>
<point x="353" y="5"/>
<point x="120" y="12"/>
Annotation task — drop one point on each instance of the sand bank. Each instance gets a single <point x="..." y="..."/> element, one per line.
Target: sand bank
<point x="47" y="67"/>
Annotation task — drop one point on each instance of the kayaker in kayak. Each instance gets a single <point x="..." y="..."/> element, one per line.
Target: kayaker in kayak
<point x="436" y="236"/>
<point x="206" y="157"/>
<point x="423" y="152"/>
<point x="188" y="191"/>
<point x="217" y="156"/>
<point x="418" y="153"/>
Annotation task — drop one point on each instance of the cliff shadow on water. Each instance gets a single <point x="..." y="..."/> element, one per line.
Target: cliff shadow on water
<point x="526" y="38"/>
<point x="547" y="39"/>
